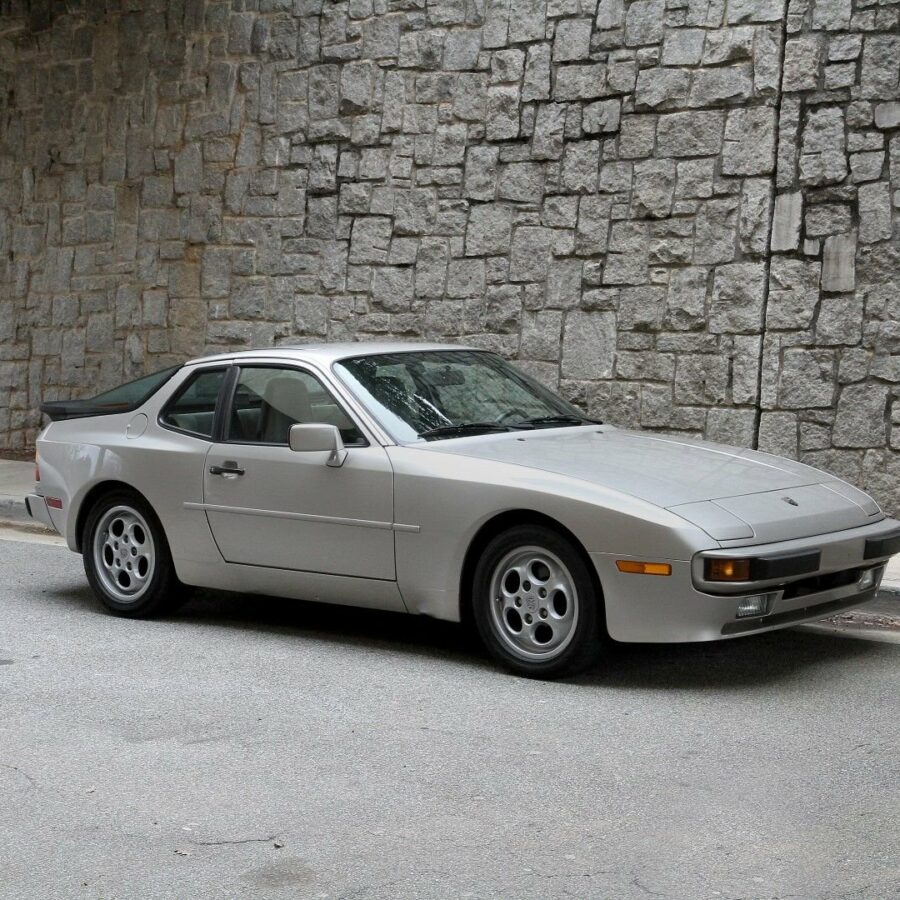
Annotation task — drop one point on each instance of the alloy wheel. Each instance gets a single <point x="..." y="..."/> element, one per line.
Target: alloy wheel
<point x="124" y="553"/>
<point x="534" y="603"/>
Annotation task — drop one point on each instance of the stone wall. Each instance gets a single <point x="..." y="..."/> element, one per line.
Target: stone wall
<point x="683" y="214"/>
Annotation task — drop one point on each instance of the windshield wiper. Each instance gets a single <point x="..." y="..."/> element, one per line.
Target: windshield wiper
<point x="550" y="421"/>
<point x="462" y="428"/>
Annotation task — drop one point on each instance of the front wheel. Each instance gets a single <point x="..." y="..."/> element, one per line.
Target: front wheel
<point x="127" y="559"/>
<point x="535" y="604"/>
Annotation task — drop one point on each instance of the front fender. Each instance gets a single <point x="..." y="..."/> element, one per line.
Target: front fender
<point x="448" y="502"/>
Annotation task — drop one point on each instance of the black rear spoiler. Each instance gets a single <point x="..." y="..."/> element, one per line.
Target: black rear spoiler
<point x="57" y="410"/>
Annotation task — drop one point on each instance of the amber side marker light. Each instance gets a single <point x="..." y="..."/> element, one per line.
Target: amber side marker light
<point x="728" y="570"/>
<point x="633" y="567"/>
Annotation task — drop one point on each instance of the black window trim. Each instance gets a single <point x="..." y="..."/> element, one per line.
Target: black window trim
<point x="227" y="402"/>
<point x="228" y="369"/>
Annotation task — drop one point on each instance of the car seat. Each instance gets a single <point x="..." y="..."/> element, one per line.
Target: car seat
<point x="285" y="403"/>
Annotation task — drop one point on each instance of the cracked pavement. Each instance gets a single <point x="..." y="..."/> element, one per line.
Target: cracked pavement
<point x="252" y="747"/>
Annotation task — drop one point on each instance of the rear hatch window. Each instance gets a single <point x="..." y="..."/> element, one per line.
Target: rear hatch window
<point x="121" y="399"/>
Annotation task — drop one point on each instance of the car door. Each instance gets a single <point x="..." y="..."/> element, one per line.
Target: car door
<point x="270" y="506"/>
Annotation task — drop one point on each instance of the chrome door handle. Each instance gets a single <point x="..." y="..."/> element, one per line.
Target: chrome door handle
<point x="229" y="468"/>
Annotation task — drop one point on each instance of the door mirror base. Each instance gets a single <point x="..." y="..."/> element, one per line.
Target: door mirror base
<point x="317" y="438"/>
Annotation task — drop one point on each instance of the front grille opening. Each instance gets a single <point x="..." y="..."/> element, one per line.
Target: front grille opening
<point x="818" y="583"/>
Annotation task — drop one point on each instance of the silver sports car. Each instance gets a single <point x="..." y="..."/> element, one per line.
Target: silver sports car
<point x="441" y="480"/>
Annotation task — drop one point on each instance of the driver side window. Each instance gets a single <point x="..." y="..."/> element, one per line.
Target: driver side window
<point x="268" y="401"/>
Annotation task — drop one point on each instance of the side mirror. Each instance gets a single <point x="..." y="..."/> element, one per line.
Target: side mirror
<point x="315" y="439"/>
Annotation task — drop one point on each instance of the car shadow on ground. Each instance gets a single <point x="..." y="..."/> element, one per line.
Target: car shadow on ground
<point x="740" y="664"/>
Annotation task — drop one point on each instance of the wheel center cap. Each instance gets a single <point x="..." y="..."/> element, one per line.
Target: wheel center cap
<point x="531" y="603"/>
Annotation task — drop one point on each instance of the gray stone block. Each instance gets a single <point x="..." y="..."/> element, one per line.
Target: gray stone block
<point x="601" y="117"/>
<point x="536" y="81"/>
<point x="755" y="11"/>
<point x="572" y="41"/>
<point x="580" y="167"/>
<point x="683" y="47"/>
<point x="654" y="187"/>
<point x="861" y="419"/>
<point x="730" y="45"/>
<point x="589" y="343"/>
<point x="370" y="239"/>
<point x="839" y="322"/>
<point x="522" y="182"/>
<point x="755" y="215"/>
<point x="188" y="170"/>
<point x="489" y="230"/>
<point x="827" y="218"/>
<point x="644" y="22"/>
<point x="786" y="223"/>
<point x="659" y="88"/>
<point x="807" y="379"/>
<point x="530" y="255"/>
<point x="737" y="299"/>
<point x="527" y="20"/>
<point x="875" y="222"/>
<point x="697" y="133"/>
<point x="887" y="115"/>
<point x="793" y="293"/>
<point x="610" y="14"/>
<point x="577" y="82"/>
<point x="832" y="15"/>
<point x="778" y="433"/>
<point x="822" y="157"/>
<point x="392" y="288"/>
<point x="502" y="112"/>
<point x="714" y="86"/>
<point x="481" y="172"/>
<point x="461" y="49"/>
<point x="749" y="147"/>
<point x="549" y="131"/>
<point x="802" y="60"/>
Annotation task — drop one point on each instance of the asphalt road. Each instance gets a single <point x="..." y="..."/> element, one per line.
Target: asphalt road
<point x="269" y="749"/>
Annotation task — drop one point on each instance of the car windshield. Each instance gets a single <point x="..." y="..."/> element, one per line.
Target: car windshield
<point x="433" y="394"/>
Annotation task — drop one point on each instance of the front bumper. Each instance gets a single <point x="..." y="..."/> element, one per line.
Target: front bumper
<point x="37" y="509"/>
<point x="685" y="607"/>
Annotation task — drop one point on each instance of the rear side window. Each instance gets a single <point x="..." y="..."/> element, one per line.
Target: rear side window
<point x="193" y="408"/>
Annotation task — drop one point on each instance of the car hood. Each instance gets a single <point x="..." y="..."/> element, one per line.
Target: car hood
<point x="733" y="494"/>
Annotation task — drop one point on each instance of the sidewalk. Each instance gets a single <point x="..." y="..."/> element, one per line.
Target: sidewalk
<point x="17" y="480"/>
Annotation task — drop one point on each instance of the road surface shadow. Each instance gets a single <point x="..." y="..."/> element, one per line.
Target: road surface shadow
<point x="742" y="664"/>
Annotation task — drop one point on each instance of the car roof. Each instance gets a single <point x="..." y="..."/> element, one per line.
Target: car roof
<point x="327" y="353"/>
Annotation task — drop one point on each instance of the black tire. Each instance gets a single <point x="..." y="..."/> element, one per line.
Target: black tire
<point x="560" y="632"/>
<point x="115" y="574"/>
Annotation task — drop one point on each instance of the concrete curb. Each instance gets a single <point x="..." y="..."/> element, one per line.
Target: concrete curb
<point x="13" y="509"/>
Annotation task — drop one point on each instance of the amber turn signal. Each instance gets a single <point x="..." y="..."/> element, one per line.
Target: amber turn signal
<point x="633" y="567"/>
<point x="728" y="570"/>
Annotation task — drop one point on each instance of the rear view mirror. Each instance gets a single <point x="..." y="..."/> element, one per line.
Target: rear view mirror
<point x="446" y="377"/>
<point x="316" y="439"/>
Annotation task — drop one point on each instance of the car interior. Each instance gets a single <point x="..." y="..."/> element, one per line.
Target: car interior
<point x="266" y="404"/>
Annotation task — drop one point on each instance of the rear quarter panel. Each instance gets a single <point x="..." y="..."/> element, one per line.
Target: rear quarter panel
<point x="76" y="455"/>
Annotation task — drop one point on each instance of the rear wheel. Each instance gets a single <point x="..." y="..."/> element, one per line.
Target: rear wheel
<point x="535" y="604"/>
<point x="127" y="559"/>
